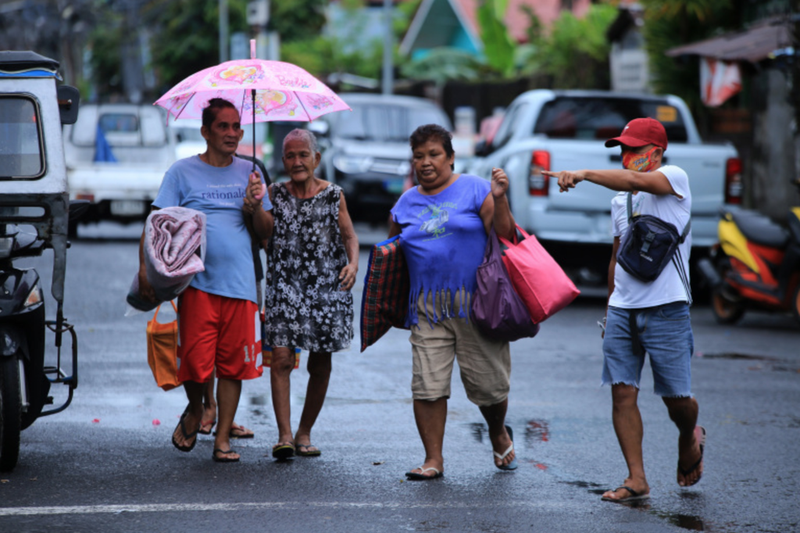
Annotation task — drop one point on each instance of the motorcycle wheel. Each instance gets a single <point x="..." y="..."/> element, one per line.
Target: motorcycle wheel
<point x="725" y="311"/>
<point x="10" y="413"/>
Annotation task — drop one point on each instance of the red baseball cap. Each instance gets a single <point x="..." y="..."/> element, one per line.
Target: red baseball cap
<point x="640" y="132"/>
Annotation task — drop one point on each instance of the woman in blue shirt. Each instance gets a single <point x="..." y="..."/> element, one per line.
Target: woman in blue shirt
<point x="443" y="225"/>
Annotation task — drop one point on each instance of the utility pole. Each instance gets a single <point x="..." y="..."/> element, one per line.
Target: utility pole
<point x="388" y="46"/>
<point x="223" y="31"/>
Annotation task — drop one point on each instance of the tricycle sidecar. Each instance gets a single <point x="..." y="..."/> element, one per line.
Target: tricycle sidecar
<point x="34" y="213"/>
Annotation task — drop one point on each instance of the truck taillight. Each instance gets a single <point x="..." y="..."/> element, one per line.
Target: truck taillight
<point x="538" y="183"/>
<point x="733" y="181"/>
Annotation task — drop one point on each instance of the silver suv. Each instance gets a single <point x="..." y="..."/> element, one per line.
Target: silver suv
<point x="366" y="151"/>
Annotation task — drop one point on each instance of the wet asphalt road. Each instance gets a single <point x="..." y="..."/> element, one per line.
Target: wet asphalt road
<point x="106" y="463"/>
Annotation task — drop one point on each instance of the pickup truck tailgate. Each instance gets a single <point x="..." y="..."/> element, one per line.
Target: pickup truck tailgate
<point x="704" y="164"/>
<point x="576" y="155"/>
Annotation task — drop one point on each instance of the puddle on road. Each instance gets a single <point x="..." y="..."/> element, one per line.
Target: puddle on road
<point x="731" y="355"/>
<point x="773" y="363"/>
<point x="596" y="487"/>
<point x="537" y="431"/>
<point x="684" y="521"/>
<point x="260" y="399"/>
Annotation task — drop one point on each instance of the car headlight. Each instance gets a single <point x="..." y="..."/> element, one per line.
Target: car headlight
<point x="404" y="168"/>
<point x="34" y="297"/>
<point x="351" y="164"/>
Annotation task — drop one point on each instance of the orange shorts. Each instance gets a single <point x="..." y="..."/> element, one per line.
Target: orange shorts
<point x="216" y="331"/>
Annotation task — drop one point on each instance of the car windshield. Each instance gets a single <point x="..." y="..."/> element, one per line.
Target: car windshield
<point x="189" y="134"/>
<point x="20" y="150"/>
<point x="385" y="122"/>
<point x="603" y="118"/>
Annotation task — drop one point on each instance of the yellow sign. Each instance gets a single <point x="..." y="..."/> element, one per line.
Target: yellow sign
<point x="666" y="113"/>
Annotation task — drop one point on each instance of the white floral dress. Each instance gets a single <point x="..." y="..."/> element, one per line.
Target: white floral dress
<point x="305" y="307"/>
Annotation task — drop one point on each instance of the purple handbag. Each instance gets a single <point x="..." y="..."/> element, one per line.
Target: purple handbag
<point x="497" y="310"/>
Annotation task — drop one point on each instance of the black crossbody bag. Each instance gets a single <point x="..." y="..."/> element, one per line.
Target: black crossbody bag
<point x="649" y="245"/>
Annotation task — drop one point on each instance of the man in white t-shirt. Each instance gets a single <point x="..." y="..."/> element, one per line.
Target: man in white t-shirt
<point x="648" y="317"/>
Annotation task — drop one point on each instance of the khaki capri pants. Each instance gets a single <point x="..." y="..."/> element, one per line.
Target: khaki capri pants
<point x="485" y="364"/>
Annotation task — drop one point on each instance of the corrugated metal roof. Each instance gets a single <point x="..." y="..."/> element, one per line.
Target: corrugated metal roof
<point x="753" y="45"/>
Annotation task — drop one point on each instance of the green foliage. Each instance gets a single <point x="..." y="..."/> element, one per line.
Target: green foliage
<point x="671" y="23"/>
<point x="575" y="54"/>
<point x="186" y="36"/>
<point x="404" y="14"/>
<point x="443" y="64"/>
<point x="341" y="51"/>
<point x="498" y="48"/>
<point x="535" y="29"/>
<point x="298" y="20"/>
<point x="324" y="55"/>
<point x="105" y="43"/>
<point x="187" y="39"/>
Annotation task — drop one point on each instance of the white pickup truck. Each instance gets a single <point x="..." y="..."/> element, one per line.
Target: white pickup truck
<point x="120" y="169"/>
<point x="566" y="130"/>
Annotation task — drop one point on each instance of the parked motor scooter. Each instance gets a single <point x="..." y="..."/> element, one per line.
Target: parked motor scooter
<point x="755" y="265"/>
<point x="34" y="215"/>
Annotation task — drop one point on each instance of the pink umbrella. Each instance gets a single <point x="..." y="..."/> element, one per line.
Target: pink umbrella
<point x="261" y="90"/>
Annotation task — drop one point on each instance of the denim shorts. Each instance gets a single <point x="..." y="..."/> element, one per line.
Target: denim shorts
<point x="665" y="333"/>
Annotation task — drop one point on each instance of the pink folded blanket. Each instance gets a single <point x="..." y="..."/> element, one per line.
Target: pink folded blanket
<point x="174" y="251"/>
<point x="173" y="236"/>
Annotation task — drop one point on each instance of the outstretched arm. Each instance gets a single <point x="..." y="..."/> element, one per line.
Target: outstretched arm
<point x="625" y="180"/>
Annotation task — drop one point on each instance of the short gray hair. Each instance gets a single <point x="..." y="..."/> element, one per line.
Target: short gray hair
<point x="305" y="136"/>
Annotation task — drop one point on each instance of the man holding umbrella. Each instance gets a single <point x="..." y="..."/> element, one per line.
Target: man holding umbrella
<point x="217" y="315"/>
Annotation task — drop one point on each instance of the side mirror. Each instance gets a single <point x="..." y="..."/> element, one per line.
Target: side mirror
<point x="319" y="127"/>
<point x="68" y="100"/>
<point x="482" y="148"/>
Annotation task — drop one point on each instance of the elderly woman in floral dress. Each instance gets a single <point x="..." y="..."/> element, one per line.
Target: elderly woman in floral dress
<point x="313" y="261"/>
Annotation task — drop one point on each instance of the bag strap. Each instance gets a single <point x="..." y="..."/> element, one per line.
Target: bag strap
<point x="155" y="315"/>
<point x="630" y="208"/>
<point x="686" y="228"/>
<point x="678" y="262"/>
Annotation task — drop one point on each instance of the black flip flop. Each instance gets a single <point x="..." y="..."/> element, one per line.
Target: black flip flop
<point x="702" y="442"/>
<point x="223" y="459"/>
<point x="283" y="451"/>
<point x="186" y="435"/>
<point x="420" y="476"/>
<point x="303" y="450"/>
<point x="634" y="495"/>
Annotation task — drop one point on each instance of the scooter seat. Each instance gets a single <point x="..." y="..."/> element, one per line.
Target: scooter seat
<point x="759" y="228"/>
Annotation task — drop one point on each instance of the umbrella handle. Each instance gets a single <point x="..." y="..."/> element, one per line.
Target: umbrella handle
<point x="253" y="95"/>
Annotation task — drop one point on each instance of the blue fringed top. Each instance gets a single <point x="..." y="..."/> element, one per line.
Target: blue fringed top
<point x="443" y="241"/>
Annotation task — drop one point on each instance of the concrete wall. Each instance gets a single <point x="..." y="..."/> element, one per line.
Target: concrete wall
<point x="775" y="145"/>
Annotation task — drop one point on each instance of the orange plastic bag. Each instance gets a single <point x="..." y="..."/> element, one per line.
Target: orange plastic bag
<point x="162" y="350"/>
<point x="266" y="357"/>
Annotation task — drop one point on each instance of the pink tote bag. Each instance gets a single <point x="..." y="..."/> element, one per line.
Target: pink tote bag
<point x="538" y="279"/>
